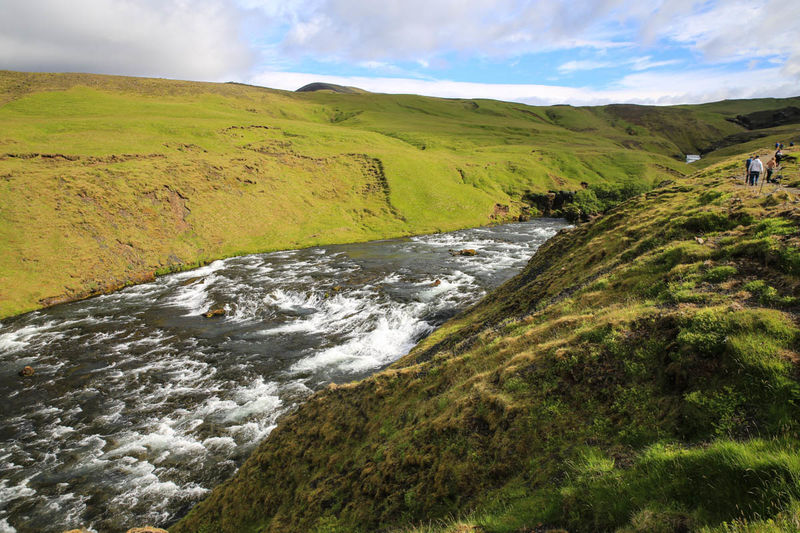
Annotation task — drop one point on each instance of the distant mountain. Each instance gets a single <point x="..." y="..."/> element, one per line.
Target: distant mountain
<point x="319" y="86"/>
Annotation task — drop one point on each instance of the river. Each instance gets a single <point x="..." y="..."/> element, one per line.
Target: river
<point x="139" y="405"/>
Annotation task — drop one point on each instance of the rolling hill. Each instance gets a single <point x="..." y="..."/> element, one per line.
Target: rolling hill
<point x="107" y="180"/>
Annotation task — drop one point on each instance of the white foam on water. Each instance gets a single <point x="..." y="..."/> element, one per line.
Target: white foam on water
<point x="31" y="335"/>
<point x="58" y="431"/>
<point x="451" y="240"/>
<point x="194" y="297"/>
<point x="293" y="300"/>
<point x="321" y="314"/>
<point x="206" y="270"/>
<point x="219" y="443"/>
<point x="10" y="492"/>
<point x="258" y="398"/>
<point x="5" y="527"/>
<point x="147" y="497"/>
<point x="388" y="337"/>
<point x="431" y="292"/>
<point x="247" y="307"/>
<point x="251" y="432"/>
<point x="164" y="443"/>
<point x="67" y="507"/>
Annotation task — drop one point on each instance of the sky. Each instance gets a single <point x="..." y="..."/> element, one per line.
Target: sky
<point x="531" y="51"/>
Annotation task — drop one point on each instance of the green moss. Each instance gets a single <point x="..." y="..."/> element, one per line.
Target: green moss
<point x="671" y="484"/>
<point x="720" y="274"/>
<point x="768" y="295"/>
<point x="708" y="221"/>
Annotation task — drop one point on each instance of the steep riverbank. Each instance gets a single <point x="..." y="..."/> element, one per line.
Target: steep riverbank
<point x="641" y="374"/>
<point x="107" y="181"/>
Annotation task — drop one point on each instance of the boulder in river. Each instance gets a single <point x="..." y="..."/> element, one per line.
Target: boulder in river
<point x="436" y="283"/>
<point x="211" y="313"/>
<point x="466" y="252"/>
<point x="146" y="530"/>
<point x="27" y="372"/>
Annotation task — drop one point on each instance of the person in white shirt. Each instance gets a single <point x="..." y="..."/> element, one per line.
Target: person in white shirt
<point x="755" y="170"/>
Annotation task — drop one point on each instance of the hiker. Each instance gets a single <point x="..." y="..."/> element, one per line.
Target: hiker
<point x="778" y="156"/>
<point x="747" y="170"/>
<point x="777" y="145"/>
<point x="755" y="170"/>
<point x="770" y="169"/>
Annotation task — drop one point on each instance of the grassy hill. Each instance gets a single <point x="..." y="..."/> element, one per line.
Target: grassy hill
<point x="641" y="374"/>
<point x="106" y="181"/>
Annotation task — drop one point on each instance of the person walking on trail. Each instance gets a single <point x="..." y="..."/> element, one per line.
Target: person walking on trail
<point x="778" y="156"/>
<point x="770" y="169"/>
<point x="747" y="170"/>
<point x="755" y="170"/>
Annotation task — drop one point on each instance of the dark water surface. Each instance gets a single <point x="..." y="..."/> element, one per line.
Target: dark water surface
<point x="139" y="405"/>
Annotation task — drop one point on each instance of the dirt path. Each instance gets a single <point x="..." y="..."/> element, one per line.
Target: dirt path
<point x="790" y="170"/>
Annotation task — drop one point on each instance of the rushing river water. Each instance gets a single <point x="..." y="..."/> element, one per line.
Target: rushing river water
<point x="139" y="405"/>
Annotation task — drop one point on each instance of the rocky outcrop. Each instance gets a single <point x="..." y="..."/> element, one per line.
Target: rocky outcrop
<point x="551" y="202"/>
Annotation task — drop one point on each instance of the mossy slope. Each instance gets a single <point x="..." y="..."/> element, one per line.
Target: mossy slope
<point x="109" y="180"/>
<point x="641" y="374"/>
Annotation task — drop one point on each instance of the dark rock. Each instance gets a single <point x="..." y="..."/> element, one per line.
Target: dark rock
<point x="466" y="252"/>
<point x="436" y="283"/>
<point x="211" y="313"/>
<point x="27" y="372"/>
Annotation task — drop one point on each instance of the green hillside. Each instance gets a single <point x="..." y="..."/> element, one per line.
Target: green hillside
<point x="106" y="181"/>
<point x="641" y="374"/>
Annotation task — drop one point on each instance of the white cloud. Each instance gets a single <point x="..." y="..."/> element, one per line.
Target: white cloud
<point x="171" y="38"/>
<point x="203" y="39"/>
<point x="647" y="63"/>
<point x="578" y="65"/>
<point x="374" y="64"/>
<point x="635" y="63"/>
<point x="657" y="88"/>
<point x="731" y="30"/>
<point x="406" y="30"/>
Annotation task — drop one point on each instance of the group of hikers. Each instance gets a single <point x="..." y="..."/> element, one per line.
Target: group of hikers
<point x="754" y="167"/>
